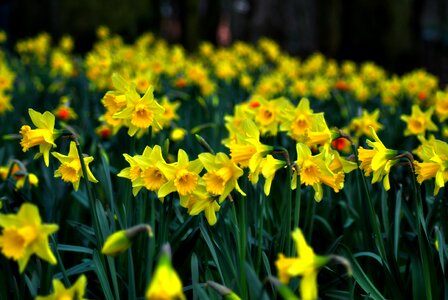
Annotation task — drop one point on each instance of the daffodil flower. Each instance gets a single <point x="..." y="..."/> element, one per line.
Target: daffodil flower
<point x="201" y="201"/>
<point x="315" y="171"/>
<point x="419" y="122"/>
<point x="70" y="169"/>
<point x="434" y="164"/>
<point x="43" y="136"/>
<point x="222" y="174"/>
<point x="182" y="176"/>
<point x="306" y="265"/>
<point x="140" y="112"/>
<point x="378" y="160"/>
<point x="24" y="235"/>
<point x="76" y="291"/>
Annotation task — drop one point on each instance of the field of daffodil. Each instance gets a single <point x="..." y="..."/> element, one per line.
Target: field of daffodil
<point x="142" y="171"/>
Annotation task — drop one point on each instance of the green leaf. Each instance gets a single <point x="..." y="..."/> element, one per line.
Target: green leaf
<point x="359" y="275"/>
<point x="256" y="290"/>
<point x="77" y="249"/>
<point x="85" y="266"/>
<point x="369" y="254"/>
<point x="397" y="221"/>
<point x="194" y="274"/>
<point x="212" y="250"/>
<point x="100" y="271"/>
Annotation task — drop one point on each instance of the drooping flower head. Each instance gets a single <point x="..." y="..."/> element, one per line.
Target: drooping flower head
<point x="70" y="169"/>
<point x="247" y="150"/>
<point x="378" y="160"/>
<point x="434" y="164"/>
<point x="201" y="201"/>
<point x="24" y="235"/>
<point x="43" y="136"/>
<point x="306" y="265"/>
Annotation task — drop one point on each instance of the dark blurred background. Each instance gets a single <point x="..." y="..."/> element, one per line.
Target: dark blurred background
<point x="399" y="35"/>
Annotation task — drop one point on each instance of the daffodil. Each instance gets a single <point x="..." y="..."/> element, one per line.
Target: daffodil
<point x="222" y="174"/>
<point x="267" y="114"/>
<point x="165" y="283"/>
<point x="361" y="125"/>
<point x="182" y="176"/>
<point x="306" y="265"/>
<point x="169" y="114"/>
<point x="434" y="164"/>
<point x="269" y="167"/>
<point x="305" y="126"/>
<point x="60" y="292"/>
<point x="378" y="160"/>
<point x="247" y="150"/>
<point x="43" y="136"/>
<point x="132" y="173"/>
<point x="24" y="235"/>
<point x="315" y="170"/>
<point x="201" y="201"/>
<point x="419" y="122"/>
<point x="70" y="169"/>
<point x="140" y="112"/>
<point x="153" y="178"/>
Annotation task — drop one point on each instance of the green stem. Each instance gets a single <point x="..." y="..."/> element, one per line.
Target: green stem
<point x="243" y="245"/>
<point x="260" y="232"/>
<point x="288" y="214"/>
<point x="298" y="203"/>
<point x="423" y="242"/>
<point x="92" y="200"/>
<point x="60" y="263"/>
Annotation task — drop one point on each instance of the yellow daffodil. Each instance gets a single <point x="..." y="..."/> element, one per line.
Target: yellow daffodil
<point x="140" y="112"/>
<point x="315" y="171"/>
<point x="165" y="283"/>
<point x="152" y="176"/>
<point x="24" y="235"/>
<point x="269" y="167"/>
<point x="379" y="159"/>
<point x="247" y="150"/>
<point x="70" y="169"/>
<point x="182" y="176"/>
<point x="222" y="174"/>
<point x="60" y="292"/>
<point x="305" y="126"/>
<point x="201" y="201"/>
<point x="434" y="165"/>
<point x="361" y="125"/>
<point x="267" y="114"/>
<point x="419" y="122"/>
<point x="306" y="265"/>
<point x="43" y="136"/>
<point x="133" y="173"/>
